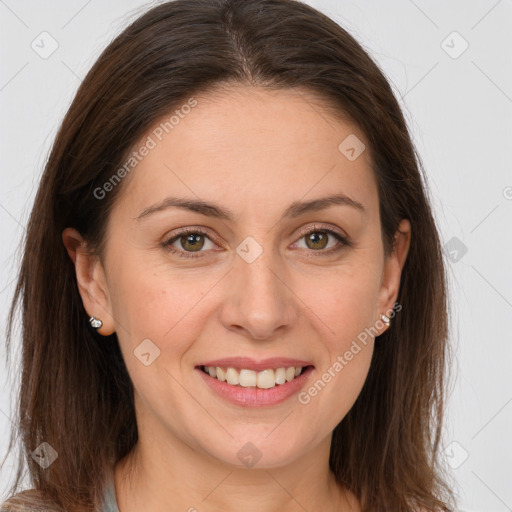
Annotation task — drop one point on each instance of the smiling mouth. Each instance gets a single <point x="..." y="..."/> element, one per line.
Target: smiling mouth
<point x="265" y="379"/>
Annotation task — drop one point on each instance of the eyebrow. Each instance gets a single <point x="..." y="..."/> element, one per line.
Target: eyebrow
<point x="296" y="209"/>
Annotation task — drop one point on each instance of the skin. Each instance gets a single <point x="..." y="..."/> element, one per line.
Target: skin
<point x="254" y="151"/>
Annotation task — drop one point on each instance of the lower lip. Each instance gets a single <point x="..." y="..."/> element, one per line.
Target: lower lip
<point x="253" y="396"/>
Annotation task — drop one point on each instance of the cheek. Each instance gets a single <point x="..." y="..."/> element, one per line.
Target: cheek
<point x="165" y="308"/>
<point x="143" y="304"/>
<point x="346" y="310"/>
<point x="344" y="301"/>
<point x="158" y="305"/>
<point x="344" y="307"/>
<point x="156" y="325"/>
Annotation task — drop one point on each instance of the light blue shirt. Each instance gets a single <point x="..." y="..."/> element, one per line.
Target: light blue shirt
<point x="110" y="502"/>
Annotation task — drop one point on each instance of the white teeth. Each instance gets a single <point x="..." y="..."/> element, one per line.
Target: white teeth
<point x="247" y="378"/>
<point x="280" y="376"/>
<point x="232" y="377"/>
<point x="265" y="379"/>
<point x="221" y="374"/>
<point x="290" y="373"/>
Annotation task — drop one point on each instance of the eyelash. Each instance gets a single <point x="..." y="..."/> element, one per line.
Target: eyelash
<point x="197" y="231"/>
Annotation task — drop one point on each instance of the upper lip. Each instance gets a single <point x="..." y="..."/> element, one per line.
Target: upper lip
<point x="257" y="365"/>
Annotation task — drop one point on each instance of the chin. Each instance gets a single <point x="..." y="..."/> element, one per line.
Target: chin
<point x="258" y="451"/>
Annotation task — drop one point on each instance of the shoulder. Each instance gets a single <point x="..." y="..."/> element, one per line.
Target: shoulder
<point x="31" y="500"/>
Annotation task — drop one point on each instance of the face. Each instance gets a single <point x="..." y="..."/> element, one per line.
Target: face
<point x="266" y="277"/>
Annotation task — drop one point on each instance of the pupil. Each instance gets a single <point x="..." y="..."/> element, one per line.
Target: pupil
<point x="193" y="240"/>
<point x="316" y="238"/>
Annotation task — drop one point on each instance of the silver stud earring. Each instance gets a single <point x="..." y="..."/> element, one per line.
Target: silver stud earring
<point x="386" y="320"/>
<point x="96" y="323"/>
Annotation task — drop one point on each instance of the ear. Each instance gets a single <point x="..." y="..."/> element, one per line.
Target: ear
<point x="393" y="266"/>
<point x="90" y="277"/>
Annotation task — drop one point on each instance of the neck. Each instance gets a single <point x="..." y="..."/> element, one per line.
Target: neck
<point x="171" y="475"/>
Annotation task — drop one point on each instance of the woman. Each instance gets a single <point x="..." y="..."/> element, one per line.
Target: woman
<point x="232" y="290"/>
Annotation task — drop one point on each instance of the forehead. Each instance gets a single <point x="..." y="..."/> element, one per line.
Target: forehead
<point x="254" y="148"/>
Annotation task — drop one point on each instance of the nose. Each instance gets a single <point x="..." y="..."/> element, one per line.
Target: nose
<point x="259" y="303"/>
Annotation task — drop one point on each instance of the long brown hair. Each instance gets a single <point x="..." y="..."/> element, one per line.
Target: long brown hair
<point x="75" y="390"/>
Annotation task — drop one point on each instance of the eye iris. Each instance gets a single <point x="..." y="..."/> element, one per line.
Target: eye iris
<point x="313" y="237"/>
<point x="192" y="239"/>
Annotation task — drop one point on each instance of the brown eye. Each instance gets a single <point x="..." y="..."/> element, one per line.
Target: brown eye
<point x="192" y="242"/>
<point x="187" y="242"/>
<point x="317" y="240"/>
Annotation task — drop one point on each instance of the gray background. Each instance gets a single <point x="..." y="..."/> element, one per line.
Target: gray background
<point x="458" y="104"/>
